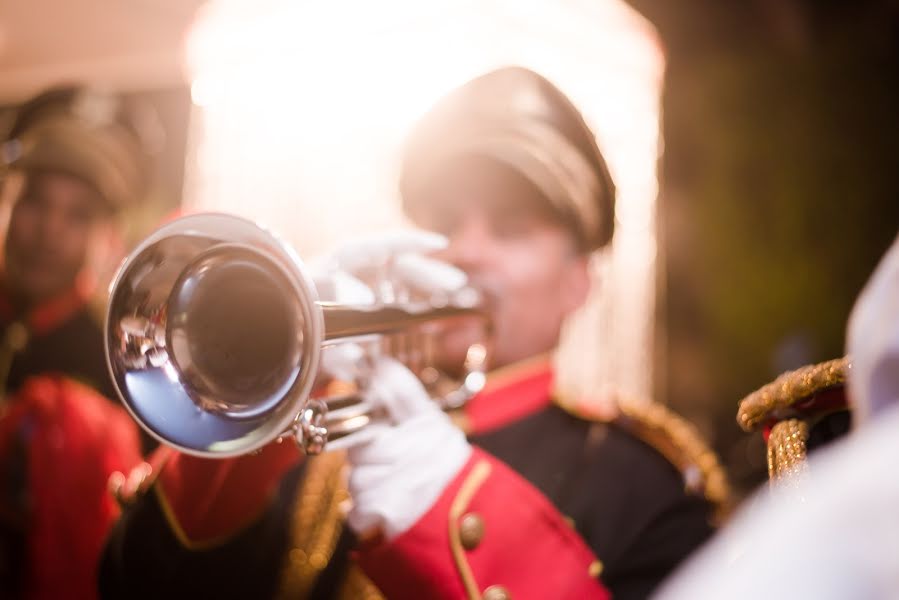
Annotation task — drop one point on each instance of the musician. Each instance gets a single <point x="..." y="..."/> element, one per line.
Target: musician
<point x="522" y="493"/>
<point x="72" y="163"/>
<point x="68" y="168"/>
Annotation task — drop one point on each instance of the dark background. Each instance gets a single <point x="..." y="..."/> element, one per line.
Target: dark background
<point x="779" y="193"/>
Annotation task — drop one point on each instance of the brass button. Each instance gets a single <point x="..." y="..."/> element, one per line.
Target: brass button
<point x="471" y="530"/>
<point x="595" y="569"/>
<point x="497" y="592"/>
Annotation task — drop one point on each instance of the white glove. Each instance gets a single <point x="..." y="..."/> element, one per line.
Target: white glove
<point x="400" y="256"/>
<point x="403" y="469"/>
<point x="385" y="261"/>
<point x="400" y="468"/>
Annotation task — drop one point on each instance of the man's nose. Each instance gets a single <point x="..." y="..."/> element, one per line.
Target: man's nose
<point x="51" y="224"/>
<point x="467" y="247"/>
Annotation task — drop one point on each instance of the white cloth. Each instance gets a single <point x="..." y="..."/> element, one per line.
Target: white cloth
<point x="403" y="469"/>
<point x="401" y="258"/>
<point x="873" y="341"/>
<point x="396" y="258"/>
<point x="399" y="468"/>
<point x="842" y="540"/>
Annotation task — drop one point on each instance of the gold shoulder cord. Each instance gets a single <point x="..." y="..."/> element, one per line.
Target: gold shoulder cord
<point x="789" y="388"/>
<point x="678" y="441"/>
<point x="787" y="450"/>
<point x="787" y="441"/>
<point x="318" y="521"/>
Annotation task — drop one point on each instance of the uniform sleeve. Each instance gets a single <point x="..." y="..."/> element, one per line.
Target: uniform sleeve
<point x="73" y="439"/>
<point x="637" y="515"/>
<point x="207" y="528"/>
<point x="492" y="535"/>
<point x="666" y="540"/>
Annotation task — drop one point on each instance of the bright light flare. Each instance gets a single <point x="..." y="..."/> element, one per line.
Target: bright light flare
<point x="301" y="109"/>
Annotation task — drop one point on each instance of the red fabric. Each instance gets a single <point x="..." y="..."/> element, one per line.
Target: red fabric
<point x="512" y="394"/>
<point x="210" y="499"/>
<point x="74" y="439"/>
<point x="826" y="401"/>
<point x="527" y="547"/>
<point x="207" y="500"/>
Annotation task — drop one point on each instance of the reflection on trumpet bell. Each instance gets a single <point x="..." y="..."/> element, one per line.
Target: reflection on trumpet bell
<point x="234" y="330"/>
<point x="215" y="330"/>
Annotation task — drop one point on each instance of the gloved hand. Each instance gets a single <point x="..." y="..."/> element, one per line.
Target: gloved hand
<point x="401" y="467"/>
<point x="377" y="269"/>
<point x="388" y="266"/>
<point x="400" y="472"/>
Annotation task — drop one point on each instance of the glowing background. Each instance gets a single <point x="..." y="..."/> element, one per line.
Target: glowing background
<point x="302" y="108"/>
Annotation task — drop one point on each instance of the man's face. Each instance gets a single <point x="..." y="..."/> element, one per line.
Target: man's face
<point x="502" y="235"/>
<point x="53" y="224"/>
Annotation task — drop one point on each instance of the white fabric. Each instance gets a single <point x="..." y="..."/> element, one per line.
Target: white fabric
<point x="335" y="279"/>
<point x="396" y="261"/>
<point x="352" y="256"/>
<point x="873" y="341"/>
<point x="842" y="539"/>
<point x="400" y="468"/>
<point x="399" y="474"/>
<point x="378" y="248"/>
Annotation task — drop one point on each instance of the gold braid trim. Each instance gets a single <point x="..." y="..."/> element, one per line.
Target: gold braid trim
<point x="789" y="388"/>
<point x="473" y="481"/>
<point x="674" y="438"/>
<point x="787" y="452"/>
<point x="318" y="521"/>
<point x="177" y="530"/>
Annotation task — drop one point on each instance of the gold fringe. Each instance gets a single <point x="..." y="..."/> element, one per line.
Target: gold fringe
<point x="194" y="545"/>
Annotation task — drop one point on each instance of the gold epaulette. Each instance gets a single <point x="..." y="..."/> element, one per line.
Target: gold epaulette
<point x="776" y="403"/>
<point x="674" y="438"/>
<point x="774" y="399"/>
<point x="318" y="520"/>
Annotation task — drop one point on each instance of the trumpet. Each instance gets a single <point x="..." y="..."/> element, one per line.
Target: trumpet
<point x="214" y="335"/>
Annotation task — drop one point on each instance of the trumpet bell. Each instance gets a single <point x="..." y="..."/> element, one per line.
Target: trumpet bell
<point x="235" y="331"/>
<point x="213" y="335"/>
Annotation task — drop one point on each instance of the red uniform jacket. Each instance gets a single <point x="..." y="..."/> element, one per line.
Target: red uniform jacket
<point x="491" y="534"/>
<point x="59" y="443"/>
<point x="550" y="505"/>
